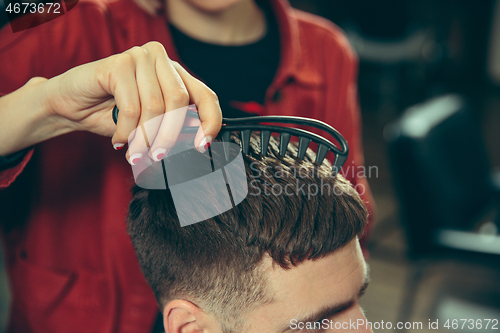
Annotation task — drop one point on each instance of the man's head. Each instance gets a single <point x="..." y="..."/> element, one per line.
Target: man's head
<point x="288" y="253"/>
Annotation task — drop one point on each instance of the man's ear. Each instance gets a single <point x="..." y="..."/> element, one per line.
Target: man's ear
<point x="181" y="316"/>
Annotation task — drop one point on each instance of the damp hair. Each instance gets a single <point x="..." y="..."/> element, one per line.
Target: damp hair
<point x="216" y="263"/>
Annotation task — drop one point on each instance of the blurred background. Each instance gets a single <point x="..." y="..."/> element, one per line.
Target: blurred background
<point x="429" y="87"/>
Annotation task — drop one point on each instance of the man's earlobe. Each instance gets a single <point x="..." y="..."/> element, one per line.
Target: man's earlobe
<point x="181" y="316"/>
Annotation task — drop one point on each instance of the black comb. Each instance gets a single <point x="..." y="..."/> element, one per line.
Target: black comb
<point x="248" y="125"/>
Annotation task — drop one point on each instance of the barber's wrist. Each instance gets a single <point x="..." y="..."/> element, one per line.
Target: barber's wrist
<point x="47" y="121"/>
<point x="27" y="119"/>
<point x="50" y="95"/>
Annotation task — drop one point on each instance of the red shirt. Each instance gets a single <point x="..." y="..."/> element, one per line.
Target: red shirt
<point x="72" y="266"/>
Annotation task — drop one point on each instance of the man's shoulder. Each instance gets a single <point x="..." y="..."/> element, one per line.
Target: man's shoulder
<point x="320" y="33"/>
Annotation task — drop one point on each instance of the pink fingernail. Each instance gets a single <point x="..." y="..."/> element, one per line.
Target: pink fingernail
<point x="118" y="146"/>
<point x="205" y="143"/>
<point x="159" y="154"/>
<point x="135" y="158"/>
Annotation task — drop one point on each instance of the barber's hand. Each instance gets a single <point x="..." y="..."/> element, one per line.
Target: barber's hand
<point x="144" y="83"/>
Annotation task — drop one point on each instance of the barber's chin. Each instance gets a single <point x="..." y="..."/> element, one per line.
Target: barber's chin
<point x="213" y="6"/>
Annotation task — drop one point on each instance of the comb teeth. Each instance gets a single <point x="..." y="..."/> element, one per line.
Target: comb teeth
<point x="265" y="136"/>
<point x="321" y="154"/>
<point x="303" y="144"/>
<point x="264" y="141"/>
<point x="284" y="140"/>
<point x="225" y="138"/>
<point x="339" y="161"/>
<point x="245" y="140"/>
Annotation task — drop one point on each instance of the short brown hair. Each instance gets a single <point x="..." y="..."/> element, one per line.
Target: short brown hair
<point x="215" y="263"/>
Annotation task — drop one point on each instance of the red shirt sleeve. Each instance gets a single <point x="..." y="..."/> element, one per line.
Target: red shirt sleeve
<point x="8" y="176"/>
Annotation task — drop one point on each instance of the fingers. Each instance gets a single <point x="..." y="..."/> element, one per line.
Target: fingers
<point x="153" y="93"/>
<point x="171" y="126"/>
<point x="147" y="85"/>
<point x="176" y="99"/>
<point x="124" y="88"/>
<point x="152" y="104"/>
<point x="208" y="107"/>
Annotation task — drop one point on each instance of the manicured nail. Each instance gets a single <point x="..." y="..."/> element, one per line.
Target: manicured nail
<point x="135" y="158"/>
<point x="118" y="146"/>
<point x="159" y="154"/>
<point x="205" y="143"/>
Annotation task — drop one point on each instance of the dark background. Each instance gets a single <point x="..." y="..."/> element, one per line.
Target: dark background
<point x="453" y="59"/>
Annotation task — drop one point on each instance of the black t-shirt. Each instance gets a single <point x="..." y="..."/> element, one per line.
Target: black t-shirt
<point x="236" y="73"/>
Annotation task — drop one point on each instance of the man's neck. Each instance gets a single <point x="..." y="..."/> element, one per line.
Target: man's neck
<point x="240" y="24"/>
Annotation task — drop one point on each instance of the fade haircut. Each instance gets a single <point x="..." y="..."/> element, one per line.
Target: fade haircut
<point x="215" y="263"/>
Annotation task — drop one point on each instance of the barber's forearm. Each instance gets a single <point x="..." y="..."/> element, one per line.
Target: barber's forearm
<point x="25" y="118"/>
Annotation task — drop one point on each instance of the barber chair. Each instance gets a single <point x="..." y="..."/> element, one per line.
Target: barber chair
<point x="398" y="52"/>
<point x="448" y="195"/>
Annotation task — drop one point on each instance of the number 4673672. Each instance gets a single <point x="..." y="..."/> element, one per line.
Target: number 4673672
<point x="471" y="324"/>
<point x="31" y="7"/>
